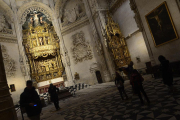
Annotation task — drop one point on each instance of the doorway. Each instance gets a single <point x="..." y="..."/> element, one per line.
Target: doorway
<point x="98" y="76"/>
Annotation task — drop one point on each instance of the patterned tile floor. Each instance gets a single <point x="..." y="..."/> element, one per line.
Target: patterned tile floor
<point x="109" y="106"/>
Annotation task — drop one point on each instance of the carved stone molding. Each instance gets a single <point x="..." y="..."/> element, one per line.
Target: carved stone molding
<point x="9" y="63"/>
<point x="81" y="49"/>
<point x="7" y="10"/>
<point x="34" y="6"/>
<point x="75" y="26"/>
<point x="137" y="16"/>
<point x="8" y="40"/>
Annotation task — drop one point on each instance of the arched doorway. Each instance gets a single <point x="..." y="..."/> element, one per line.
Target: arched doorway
<point x="98" y="76"/>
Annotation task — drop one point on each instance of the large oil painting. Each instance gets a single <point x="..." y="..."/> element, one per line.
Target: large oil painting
<point x="161" y="25"/>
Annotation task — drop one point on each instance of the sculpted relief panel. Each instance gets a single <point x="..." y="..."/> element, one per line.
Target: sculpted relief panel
<point x="81" y="49"/>
<point x="9" y="63"/>
<point x="71" y="10"/>
<point x="5" y="27"/>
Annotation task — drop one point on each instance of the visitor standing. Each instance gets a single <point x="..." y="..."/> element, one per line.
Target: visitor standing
<point x="136" y="81"/>
<point x="54" y="95"/>
<point x="167" y="74"/>
<point x="119" y="82"/>
<point x="31" y="101"/>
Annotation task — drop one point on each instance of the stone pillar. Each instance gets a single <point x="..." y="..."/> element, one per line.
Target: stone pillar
<point x="98" y="45"/>
<point x="18" y="27"/>
<point x="63" y="51"/>
<point x="7" y="110"/>
<point x="141" y="28"/>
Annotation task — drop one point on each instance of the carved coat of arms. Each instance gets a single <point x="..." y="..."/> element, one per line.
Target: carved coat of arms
<point x="81" y="49"/>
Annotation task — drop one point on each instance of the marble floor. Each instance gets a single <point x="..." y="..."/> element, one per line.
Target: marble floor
<point x="103" y="102"/>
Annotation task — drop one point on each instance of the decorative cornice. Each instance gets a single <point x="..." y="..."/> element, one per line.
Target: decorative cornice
<point x="116" y="5"/>
<point x="8" y="38"/>
<point x="75" y="26"/>
<point x="132" y="34"/>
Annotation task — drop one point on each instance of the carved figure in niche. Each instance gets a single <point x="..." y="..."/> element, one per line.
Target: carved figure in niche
<point x="41" y="20"/>
<point x="43" y="69"/>
<point x="36" y="18"/>
<point x="48" y="76"/>
<point x="31" y="21"/>
<point x="34" y="43"/>
<point x="55" y="74"/>
<point x="46" y="39"/>
<point x="41" y="42"/>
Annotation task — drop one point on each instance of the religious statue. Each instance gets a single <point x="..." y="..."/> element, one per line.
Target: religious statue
<point x="34" y="43"/>
<point x="36" y="18"/>
<point x="41" y="20"/>
<point x="46" y="39"/>
<point x="31" y="21"/>
<point x="41" y="42"/>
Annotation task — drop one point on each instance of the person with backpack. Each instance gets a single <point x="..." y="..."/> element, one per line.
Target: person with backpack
<point x="136" y="81"/>
<point x="119" y="82"/>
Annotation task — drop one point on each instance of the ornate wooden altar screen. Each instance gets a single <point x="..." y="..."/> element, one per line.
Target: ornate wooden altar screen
<point x="43" y="51"/>
<point x="117" y="44"/>
<point x="7" y="110"/>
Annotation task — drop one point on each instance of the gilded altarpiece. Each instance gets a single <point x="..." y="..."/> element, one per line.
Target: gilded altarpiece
<point x="117" y="44"/>
<point x="42" y="48"/>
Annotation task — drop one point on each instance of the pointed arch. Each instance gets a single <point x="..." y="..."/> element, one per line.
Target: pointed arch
<point x="7" y="11"/>
<point x="59" y="7"/>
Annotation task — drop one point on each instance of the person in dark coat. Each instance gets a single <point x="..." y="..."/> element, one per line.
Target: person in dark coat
<point x="54" y="96"/>
<point x="31" y="101"/>
<point x="119" y="82"/>
<point x="167" y="74"/>
<point x="136" y="81"/>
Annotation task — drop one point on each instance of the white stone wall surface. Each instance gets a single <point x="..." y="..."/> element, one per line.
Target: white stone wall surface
<point x="170" y="50"/>
<point x="124" y="16"/>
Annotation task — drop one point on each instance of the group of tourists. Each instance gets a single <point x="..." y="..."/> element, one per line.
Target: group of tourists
<point x="30" y="99"/>
<point x="136" y="80"/>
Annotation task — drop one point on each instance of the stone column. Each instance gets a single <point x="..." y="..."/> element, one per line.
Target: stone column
<point x="7" y="110"/>
<point x="97" y="42"/>
<point x="63" y="51"/>
<point x="18" y="27"/>
<point x="141" y="28"/>
<point x="102" y="22"/>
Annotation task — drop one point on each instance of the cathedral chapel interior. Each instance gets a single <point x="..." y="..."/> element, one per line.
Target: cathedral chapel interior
<point x="75" y="42"/>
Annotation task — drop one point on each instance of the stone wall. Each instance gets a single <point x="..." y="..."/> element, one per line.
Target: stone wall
<point x="81" y="57"/>
<point x="12" y="67"/>
<point x="124" y="16"/>
<point x="170" y="50"/>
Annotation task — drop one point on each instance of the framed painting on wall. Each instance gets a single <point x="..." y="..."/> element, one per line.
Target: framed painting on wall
<point x="161" y="25"/>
